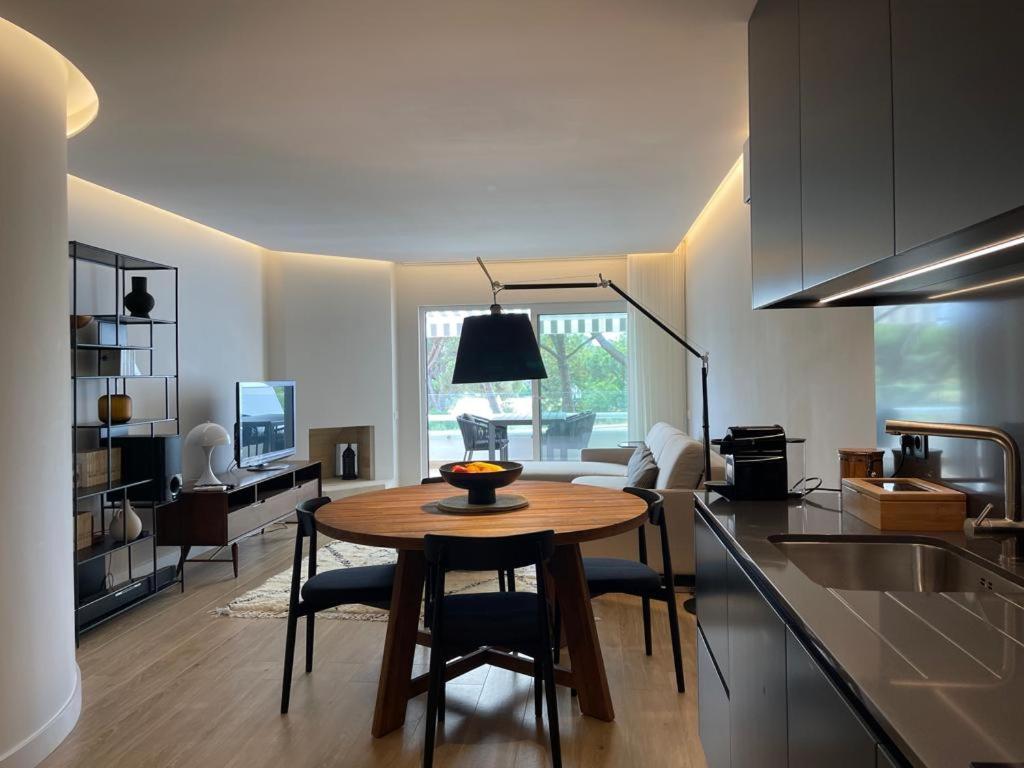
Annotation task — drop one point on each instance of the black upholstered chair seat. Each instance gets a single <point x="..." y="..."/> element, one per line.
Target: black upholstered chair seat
<point x="506" y="619"/>
<point x="365" y="585"/>
<point x="607" y="575"/>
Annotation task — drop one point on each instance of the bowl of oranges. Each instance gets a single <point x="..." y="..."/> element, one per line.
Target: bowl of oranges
<point x="481" y="478"/>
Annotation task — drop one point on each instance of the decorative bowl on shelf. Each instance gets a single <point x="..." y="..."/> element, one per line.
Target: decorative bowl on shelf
<point x="482" y="484"/>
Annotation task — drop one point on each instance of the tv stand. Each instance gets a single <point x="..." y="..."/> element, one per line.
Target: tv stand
<point x="251" y="502"/>
<point x="267" y="467"/>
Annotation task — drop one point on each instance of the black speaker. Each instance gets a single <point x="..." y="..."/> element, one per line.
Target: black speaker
<point x="157" y="458"/>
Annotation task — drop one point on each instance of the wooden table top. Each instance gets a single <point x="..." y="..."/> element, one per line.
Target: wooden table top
<point x="400" y="517"/>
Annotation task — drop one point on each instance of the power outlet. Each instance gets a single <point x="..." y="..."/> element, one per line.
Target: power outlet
<point x="915" y="446"/>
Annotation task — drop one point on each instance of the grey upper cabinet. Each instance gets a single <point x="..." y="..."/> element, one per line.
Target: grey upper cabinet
<point x="958" y="115"/>
<point x="774" y="158"/>
<point x="846" y="156"/>
<point x="757" y="676"/>
<point x="823" y="729"/>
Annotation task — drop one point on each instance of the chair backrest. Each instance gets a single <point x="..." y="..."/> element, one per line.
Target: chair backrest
<point x="305" y="512"/>
<point x="473" y="553"/>
<point x="580" y="427"/>
<point x="473" y="430"/>
<point x="431" y="480"/>
<point x="655" y="503"/>
<point x="655" y="516"/>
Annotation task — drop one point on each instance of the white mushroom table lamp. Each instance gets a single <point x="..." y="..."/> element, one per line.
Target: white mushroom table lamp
<point x="208" y="436"/>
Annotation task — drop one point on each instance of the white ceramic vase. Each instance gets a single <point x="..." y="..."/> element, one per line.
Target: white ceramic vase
<point x="125" y="517"/>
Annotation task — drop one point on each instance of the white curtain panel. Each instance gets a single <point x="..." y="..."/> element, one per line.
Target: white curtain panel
<point x="657" y="363"/>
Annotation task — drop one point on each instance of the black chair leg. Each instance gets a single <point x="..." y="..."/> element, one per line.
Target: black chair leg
<point x="538" y="687"/>
<point x="442" y="697"/>
<point x="549" y="687"/>
<point x="309" y="642"/>
<point x="433" y="695"/>
<point x="556" y="630"/>
<point x="289" y="660"/>
<point x="673" y="628"/>
<point x="511" y="578"/>
<point x="501" y="581"/>
<point x="646" y="602"/>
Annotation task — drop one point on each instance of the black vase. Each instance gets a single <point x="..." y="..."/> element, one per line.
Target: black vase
<point x="348" y="464"/>
<point x="139" y="303"/>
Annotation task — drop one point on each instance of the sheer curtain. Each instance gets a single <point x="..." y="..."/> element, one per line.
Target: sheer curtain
<point x="657" y="364"/>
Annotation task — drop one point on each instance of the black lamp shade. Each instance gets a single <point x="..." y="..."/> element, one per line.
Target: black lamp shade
<point x="497" y="347"/>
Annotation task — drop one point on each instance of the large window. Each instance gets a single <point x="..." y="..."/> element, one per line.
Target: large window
<point x="582" y="402"/>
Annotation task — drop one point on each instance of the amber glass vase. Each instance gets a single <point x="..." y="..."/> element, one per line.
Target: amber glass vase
<point x="114" y="409"/>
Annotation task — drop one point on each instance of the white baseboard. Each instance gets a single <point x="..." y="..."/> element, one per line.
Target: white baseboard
<point x="33" y="750"/>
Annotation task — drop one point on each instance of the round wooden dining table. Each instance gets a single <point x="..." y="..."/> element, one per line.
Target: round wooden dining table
<point x="399" y="518"/>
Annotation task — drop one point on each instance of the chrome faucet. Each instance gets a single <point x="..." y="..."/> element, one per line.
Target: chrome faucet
<point x="1011" y="524"/>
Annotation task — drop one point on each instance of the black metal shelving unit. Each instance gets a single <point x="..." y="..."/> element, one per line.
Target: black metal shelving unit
<point x="140" y="583"/>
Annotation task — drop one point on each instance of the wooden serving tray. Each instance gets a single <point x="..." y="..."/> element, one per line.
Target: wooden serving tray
<point x="904" y="504"/>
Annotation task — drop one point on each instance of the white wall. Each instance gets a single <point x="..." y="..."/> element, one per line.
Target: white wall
<point x="329" y="327"/>
<point x="221" y="320"/>
<point x="447" y="285"/>
<point x="810" y="370"/>
<point x="40" y="690"/>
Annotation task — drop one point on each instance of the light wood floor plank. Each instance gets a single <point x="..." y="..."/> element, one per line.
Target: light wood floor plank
<point x="170" y="684"/>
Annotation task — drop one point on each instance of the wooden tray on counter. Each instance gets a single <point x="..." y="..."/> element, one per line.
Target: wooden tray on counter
<point x="904" y="504"/>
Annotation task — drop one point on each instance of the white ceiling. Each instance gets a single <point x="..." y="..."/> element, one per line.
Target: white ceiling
<point x="421" y="130"/>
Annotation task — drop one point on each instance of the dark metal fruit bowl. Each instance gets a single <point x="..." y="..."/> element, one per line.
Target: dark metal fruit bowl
<point x="481" y="485"/>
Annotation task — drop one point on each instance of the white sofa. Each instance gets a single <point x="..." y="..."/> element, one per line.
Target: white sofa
<point x="680" y="461"/>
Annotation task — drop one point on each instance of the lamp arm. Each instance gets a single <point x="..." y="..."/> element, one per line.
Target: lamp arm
<point x="605" y="283"/>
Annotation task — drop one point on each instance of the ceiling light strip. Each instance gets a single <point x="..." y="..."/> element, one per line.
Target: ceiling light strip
<point x="982" y="287"/>
<point x="975" y="254"/>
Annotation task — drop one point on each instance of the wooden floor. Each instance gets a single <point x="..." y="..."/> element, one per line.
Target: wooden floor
<point x="169" y="684"/>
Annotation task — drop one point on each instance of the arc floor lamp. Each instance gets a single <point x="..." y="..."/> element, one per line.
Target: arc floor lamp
<point x="502" y="347"/>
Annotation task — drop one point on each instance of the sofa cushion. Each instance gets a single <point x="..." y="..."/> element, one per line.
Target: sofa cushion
<point x="681" y="463"/>
<point x="642" y="470"/>
<point x="657" y="437"/>
<point x="565" y="471"/>
<point x="602" y="481"/>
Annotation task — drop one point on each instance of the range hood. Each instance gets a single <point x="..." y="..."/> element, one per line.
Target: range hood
<point x="980" y="261"/>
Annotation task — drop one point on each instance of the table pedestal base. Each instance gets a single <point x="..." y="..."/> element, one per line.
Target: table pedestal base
<point x="586" y="676"/>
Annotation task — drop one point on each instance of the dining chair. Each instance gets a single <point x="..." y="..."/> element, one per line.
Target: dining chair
<point x="475" y="435"/>
<point x="569" y="434"/>
<point x="516" y="621"/>
<point x="506" y="579"/>
<point x="614" y="575"/>
<point x="362" y="585"/>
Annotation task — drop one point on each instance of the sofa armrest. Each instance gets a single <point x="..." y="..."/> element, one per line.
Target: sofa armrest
<point x="613" y="455"/>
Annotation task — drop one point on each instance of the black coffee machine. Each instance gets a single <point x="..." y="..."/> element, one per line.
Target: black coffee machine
<point x="755" y="464"/>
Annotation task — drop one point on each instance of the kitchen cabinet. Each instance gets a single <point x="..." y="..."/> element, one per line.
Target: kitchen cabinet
<point x="957" y="76"/>
<point x="757" y="676"/>
<point x="884" y="135"/>
<point x="711" y="584"/>
<point x="884" y="759"/>
<point x="846" y="150"/>
<point x="774" y="156"/>
<point x="823" y="729"/>
<point x="713" y="715"/>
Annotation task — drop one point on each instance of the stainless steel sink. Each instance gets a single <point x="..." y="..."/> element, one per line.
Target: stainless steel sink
<point x="892" y="564"/>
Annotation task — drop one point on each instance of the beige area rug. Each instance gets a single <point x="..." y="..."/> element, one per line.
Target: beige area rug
<point x="270" y="599"/>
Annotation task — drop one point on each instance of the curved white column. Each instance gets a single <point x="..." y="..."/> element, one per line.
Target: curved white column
<point x="40" y="691"/>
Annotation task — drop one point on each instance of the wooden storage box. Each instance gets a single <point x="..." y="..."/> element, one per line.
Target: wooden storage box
<point x="91" y="467"/>
<point x="904" y="504"/>
<point x="83" y="530"/>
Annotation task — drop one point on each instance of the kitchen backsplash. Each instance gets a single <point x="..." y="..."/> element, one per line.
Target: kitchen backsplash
<point x="959" y="362"/>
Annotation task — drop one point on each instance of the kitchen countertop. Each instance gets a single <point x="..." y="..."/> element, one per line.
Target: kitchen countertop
<point x="941" y="673"/>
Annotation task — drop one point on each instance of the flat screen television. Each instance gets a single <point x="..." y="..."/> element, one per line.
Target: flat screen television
<point x="265" y="422"/>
